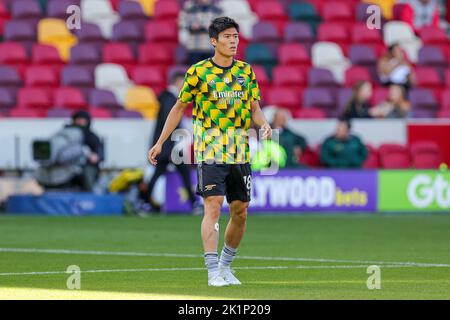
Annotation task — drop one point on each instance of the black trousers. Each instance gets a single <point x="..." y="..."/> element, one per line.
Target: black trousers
<point x="161" y="169"/>
<point x="87" y="178"/>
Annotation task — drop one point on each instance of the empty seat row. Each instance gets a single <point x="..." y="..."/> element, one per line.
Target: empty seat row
<point x="419" y="155"/>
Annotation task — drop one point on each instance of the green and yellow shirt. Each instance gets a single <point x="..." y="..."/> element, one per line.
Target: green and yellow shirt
<point x="222" y="109"/>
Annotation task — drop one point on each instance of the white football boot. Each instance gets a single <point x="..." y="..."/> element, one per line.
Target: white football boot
<point x="229" y="277"/>
<point x="216" y="280"/>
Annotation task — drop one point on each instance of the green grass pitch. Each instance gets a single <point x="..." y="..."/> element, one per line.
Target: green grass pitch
<point x="281" y="257"/>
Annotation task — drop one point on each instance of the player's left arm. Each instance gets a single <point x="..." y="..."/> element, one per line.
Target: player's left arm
<point x="260" y="120"/>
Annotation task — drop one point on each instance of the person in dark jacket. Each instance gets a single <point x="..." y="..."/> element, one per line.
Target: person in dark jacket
<point x="90" y="170"/>
<point x="293" y="143"/>
<point x="194" y="20"/>
<point x="358" y="106"/>
<point x="167" y="100"/>
<point x="343" y="150"/>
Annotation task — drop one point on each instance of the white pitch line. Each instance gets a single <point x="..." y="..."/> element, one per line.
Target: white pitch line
<point x="38" y="273"/>
<point x="179" y="255"/>
<point x="413" y="264"/>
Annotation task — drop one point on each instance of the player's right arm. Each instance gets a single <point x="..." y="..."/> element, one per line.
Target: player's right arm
<point x="187" y="93"/>
<point x="172" y="121"/>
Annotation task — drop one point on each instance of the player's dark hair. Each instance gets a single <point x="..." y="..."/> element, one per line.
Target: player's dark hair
<point x="220" y="24"/>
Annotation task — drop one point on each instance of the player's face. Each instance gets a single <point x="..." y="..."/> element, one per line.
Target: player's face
<point x="227" y="42"/>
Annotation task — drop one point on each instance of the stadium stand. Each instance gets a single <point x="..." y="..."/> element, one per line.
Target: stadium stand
<point x="54" y="32"/>
<point x="306" y="55"/>
<point x="425" y="155"/>
<point x="394" y="156"/>
<point x="101" y="13"/>
<point x="307" y="36"/>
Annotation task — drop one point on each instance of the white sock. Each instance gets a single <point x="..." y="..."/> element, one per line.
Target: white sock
<point x="212" y="263"/>
<point x="227" y="256"/>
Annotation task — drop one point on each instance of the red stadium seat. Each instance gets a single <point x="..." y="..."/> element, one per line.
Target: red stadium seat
<point x="380" y="94"/>
<point x="372" y="161"/>
<point x="360" y="34"/>
<point x="289" y="77"/>
<point x="71" y="98"/>
<point x="33" y="98"/>
<point x="269" y="9"/>
<point x="310" y="113"/>
<point x="425" y="155"/>
<point x="273" y="11"/>
<point x="100" y="113"/>
<point x="355" y="74"/>
<point x="446" y="99"/>
<point x="155" y="54"/>
<point x="14" y="55"/>
<point x="285" y="98"/>
<point x="4" y="12"/>
<point x="444" y="114"/>
<point x="166" y="10"/>
<point x="149" y="76"/>
<point x="294" y="54"/>
<point x="400" y="10"/>
<point x="119" y="53"/>
<point x="433" y="35"/>
<point x="25" y="113"/>
<point x="334" y="32"/>
<point x="161" y="31"/>
<point x="242" y="47"/>
<point x="317" y="4"/>
<point x="447" y="78"/>
<point x="448" y="52"/>
<point x="115" y="4"/>
<point x="47" y="56"/>
<point x="310" y="157"/>
<point x="394" y="156"/>
<point x="41" y="77"/>
<point x="253" y="4"/>
<point x="261" y="74"/>
<point x="428" y="78"/>
<point x="338" y="11"/>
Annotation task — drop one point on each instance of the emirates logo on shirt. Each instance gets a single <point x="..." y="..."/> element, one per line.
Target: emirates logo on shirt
<point x="228" y="94"/>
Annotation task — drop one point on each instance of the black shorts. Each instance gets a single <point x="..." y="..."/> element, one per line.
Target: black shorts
<point x="231" y="180"/>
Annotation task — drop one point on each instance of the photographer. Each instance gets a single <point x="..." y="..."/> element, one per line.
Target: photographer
<point x="71" y="157"/>
<point x="194" y="20"/>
